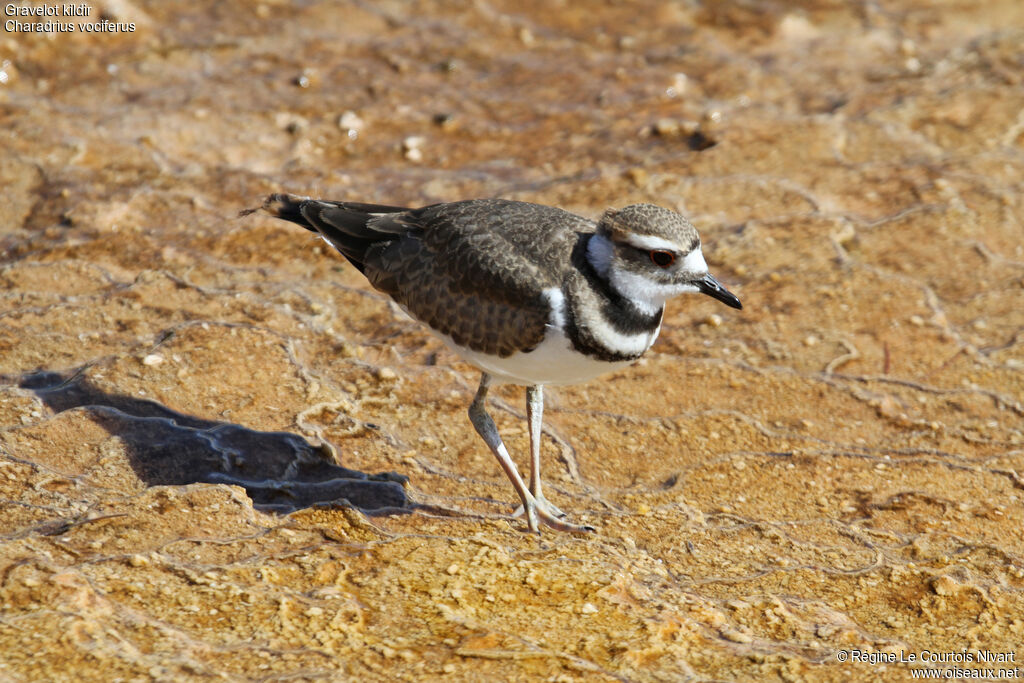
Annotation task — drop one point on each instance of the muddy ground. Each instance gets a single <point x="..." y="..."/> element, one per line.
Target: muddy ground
<point x="800" y="490"/>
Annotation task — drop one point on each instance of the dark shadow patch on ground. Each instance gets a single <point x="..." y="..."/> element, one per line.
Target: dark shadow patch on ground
<point x="280" y="471"/>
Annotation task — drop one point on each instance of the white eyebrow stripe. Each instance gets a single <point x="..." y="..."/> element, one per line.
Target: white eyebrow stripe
<point x="653" y="242"/>
<point x="694" y="262"/>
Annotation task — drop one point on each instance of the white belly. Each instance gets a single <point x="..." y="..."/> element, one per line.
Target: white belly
<point x="552" y="362"/>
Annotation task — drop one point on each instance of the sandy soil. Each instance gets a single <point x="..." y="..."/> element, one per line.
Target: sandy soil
<point x="188" y="399"/>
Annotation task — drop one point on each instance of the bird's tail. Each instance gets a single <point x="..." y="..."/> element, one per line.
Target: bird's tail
<point x="285" y="206"/>
<point x="352" y="227"/>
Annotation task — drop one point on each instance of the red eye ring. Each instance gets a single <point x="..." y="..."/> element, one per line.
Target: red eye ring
<point x="662" y="257"/>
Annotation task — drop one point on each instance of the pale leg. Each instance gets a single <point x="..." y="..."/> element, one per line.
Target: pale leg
<point x="487" y="430"/>
<point x="535" y="416"/>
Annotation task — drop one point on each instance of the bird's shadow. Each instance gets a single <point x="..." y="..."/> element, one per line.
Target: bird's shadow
<point x="279" y="471"/>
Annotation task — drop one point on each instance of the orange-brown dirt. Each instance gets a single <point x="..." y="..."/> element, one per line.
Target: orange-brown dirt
<point x="188" y="398"/>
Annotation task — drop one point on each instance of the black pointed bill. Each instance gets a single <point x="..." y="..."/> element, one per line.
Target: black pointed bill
<point x="710" y="286"/>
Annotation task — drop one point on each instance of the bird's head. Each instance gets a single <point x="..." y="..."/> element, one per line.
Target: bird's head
<point x="649" y="254"/>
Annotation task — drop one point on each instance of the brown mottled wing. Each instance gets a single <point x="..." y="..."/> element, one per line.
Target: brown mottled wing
<point x="476" y="270"/>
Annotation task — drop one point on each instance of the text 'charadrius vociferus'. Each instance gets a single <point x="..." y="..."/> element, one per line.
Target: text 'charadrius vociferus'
<point x="531" y="295"/>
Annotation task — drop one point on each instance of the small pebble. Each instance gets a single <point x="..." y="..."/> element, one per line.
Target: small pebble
<point x="736" y="636"/>
<point x="351" y="123"/>
<point x="411" y="146"/>
<point x="678" y="87"/>
<point x="666" y="128"/>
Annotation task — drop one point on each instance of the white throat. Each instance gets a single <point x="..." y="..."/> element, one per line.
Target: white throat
<point x="646" y="295"/>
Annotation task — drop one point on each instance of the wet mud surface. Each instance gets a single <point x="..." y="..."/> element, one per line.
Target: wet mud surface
<point x="224" y="456"/>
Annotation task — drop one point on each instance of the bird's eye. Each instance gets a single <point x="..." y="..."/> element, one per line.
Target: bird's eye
<point x="662" y="258"/>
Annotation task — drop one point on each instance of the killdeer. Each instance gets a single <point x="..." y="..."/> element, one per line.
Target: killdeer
<point x="531" y="295"/>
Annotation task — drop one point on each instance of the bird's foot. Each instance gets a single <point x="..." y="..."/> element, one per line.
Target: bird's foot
<point x="542" y="502"/>
<point x="540" y="510"/>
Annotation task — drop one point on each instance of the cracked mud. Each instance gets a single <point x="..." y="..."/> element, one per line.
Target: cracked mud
<point x="222" y="455"/>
